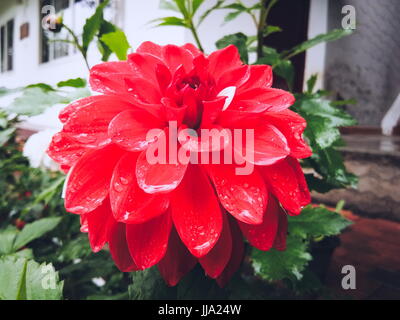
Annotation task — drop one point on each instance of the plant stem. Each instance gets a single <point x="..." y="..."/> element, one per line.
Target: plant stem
<point x="195" y="35"/>
<point x="77" y="45"/>
<point x="266" y="6"/>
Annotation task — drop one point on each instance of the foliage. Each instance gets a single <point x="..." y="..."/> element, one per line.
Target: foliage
<point x="36" y="232"/>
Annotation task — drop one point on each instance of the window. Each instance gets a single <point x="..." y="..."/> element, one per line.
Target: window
<point x="52" y="49"/>
<point x="7" y="46"/>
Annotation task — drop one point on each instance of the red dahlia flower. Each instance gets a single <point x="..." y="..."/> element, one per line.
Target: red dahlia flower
<point x="176" y="215"/>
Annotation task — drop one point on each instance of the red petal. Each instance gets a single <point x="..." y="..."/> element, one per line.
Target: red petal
<point x="274" y="99"/>
<point x="211" y="111"/>
<point x="193" y="49"/>
<point x="129" y="129"/>
<point x="235" y="77"/>
<point x="262" y="236"/>
<point x="150" y="48"/>
<point x="245" y="197"/>
<point x="292" y="126"/>
<point x="280" y="240"/>
<point x="175" y="56"/>
<point x="177" y="261"/>
<point x="144" y="65"/>
<point x="129" y="203"/>
<point x="158" y="177"/>
<point x="261" y="76"/>
<point x="148" y="241"/>
<point x="236" y="255"/>
<point x="88" y="119"/>
<point x="196" y="212"/>
<point x="64" y="150"/>
<point x="217" y="259"/>
<point x="144" y="90"/>
<point x="119" y="248"/>
<point x="90" y="178"/>
<point x="270" y="146"/>
<point x="287" y="183"/>
<point x="109" y="77"/>
<point x="222" y="60"/>
<point x="99" y="222"/>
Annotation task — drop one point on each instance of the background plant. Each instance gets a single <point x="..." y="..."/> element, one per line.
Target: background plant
<point x="36" y="232"/>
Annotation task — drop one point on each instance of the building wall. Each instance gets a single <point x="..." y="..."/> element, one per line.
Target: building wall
<point x="365" y="66"/>
<point x="132" y="15"/>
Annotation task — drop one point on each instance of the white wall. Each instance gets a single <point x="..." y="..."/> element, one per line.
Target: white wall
<point x="133" y="17"/>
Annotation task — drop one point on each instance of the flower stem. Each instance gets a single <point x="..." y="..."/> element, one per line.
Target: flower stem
<point x="195" y="35"/>
<point x="77" y="45"/>
<point x="266" y="6"/>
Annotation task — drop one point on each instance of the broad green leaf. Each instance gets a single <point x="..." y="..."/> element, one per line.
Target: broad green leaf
<point x="118" y="43"/>
<point x="75" y="83"/>
<point x="35" y="230"/>
<point x="34" y="101"/>
<point x="106" y="27"/>
<point x="277" y="265"/>
<point x="237" y="39"/>
<point x="23" y="279"/>
<point x="12" y="278"/>
<point x="317" y="221"/>
<point x="335" y="34"/>
<point x="6" y="135"/>
<point x="92" y="26"/>
<point x="323" y="108"/>
<point x="42" y="282"/>
<point x="148" y="285"/>
<point x="44" y="86"/>
<point x="285" y="70"/>
<point x="7" y="238"/>
<point x="322" y="130"/>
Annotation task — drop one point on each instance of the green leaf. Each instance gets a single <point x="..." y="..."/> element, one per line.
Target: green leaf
<point x="235" y="6"/>
<point x="7" y="238"/>
<point x="322" y="130"/>
<point x="6" y="135"/>
<point x="181" y="4"/>
<point x="271" y="29"/>
<point x="208" y="12"/>
<point x="45" y="87"/>
<point x="196" y="5"/>
<point x="171" y="21"/>
<point x="148" y="285"/>
<point x="317" y="221"/>
<point x="277" y="265"/>
<point x="323" y="108"/>
<point x="168" y="5"/>
<point x="118" y="43"/>
<point x="75" y="83"/>
<point x="237" y="39"/>
<point x="333" y="35"/>
<point x="92" y="26"/>
<point x="34" y="101"/>
<point x="106" y="27"/>
<point x="285" y="70"/>
<point x="232" y="15"/>
<point x="311" y="83"/>
<point x="35" y="230"/>
<point x="22" y="279"/>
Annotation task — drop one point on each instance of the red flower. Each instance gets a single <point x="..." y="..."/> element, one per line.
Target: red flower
<point x="177" y="215"/>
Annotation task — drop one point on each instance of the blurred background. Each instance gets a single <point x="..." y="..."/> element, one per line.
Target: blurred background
<point x="362" y="69"/>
